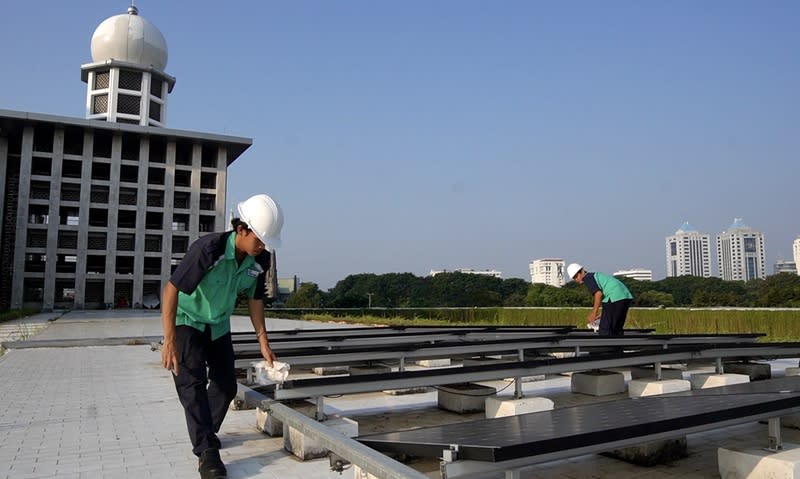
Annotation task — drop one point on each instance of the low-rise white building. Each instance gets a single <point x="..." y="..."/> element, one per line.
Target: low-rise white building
<point x="547" y="271"/>
<point x="784" y="266"/>
<point x="640" y="274"/>
<point x="484" y="272"/>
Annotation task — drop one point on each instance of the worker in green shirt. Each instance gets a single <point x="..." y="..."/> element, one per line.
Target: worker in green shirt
<point x="608" y="292"/>
<point x="196" y="308"/>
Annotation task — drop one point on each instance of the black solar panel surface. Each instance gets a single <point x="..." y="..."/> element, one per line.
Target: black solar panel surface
<point x="575" y="427"/>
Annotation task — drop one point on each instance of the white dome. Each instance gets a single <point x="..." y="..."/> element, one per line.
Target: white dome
<point x="129" y="38"/>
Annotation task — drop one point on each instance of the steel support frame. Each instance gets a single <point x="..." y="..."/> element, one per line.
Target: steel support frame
<point x="454" y="375"/>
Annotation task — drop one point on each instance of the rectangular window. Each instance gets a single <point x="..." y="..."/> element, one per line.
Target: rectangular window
<point x="100" y="80"/>
<point x="749" y="245"/>
<point x="100" y="103"/>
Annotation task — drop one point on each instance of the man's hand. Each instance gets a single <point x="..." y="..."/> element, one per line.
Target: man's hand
<point x="267" y="353"/>
<point x="169" y="356"/>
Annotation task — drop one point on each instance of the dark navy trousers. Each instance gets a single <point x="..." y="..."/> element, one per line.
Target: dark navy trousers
<point x="613" y="316"/>
<point x="206" y="383"/>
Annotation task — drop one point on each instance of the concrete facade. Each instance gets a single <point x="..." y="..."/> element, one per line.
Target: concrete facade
<point x="548" y="271"/>
<point x="688" y="253"/>
<point x="741" y="253"/>
<point x="96" y="213"/>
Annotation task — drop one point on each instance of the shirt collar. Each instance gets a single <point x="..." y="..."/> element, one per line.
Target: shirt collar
<point x="230" y="252"/>
<point x="230" y="247"/>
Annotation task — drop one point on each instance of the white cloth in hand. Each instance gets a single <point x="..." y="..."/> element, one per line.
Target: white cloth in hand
<point x="270" y="375"/>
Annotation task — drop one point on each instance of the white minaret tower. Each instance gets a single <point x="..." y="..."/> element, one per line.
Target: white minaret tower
<point x="126" y="82"/>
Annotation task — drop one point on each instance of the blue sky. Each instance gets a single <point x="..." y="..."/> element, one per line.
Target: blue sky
<point x="417" y="135"/>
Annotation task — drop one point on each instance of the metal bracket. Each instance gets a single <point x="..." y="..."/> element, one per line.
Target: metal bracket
<point x="775" y="442"/>
<point x="450" y="455"/>
<point x="319" y="415"/>
<point x="337" y="463"/>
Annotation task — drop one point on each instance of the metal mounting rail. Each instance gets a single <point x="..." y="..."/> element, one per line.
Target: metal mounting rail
<point x="344" y="354"/>
<point x="323" y="386"/>
<point x="396" y="331"/>
<point x="368" y="459"/>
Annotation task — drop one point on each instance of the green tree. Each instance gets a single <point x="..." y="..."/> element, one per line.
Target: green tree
<point x="652" y="298"/>
<point x="778" y="290"/>
<point x="307" y="296"/>
<point x="551" y="296"/>
<point x="464" y="290"/>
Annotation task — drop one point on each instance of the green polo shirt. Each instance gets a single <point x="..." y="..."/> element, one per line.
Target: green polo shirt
<point x="209" y="279"/>
<point x="613" y="289"/>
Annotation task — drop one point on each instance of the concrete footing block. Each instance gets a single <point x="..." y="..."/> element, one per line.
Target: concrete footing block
<point x="503" y="407"/>
<point x="598" y="383"/>
<point x="364" y="370"/>
<point x="713" y="380"/>
<point x="434" y="363"/>
<point x="653" y="452"/>
<point x="643" y="387"/>
<point x="756" y="371"/>
<point x="306" y="447"/>
<point x="330" y="370"/>
<point x="268" y="424"/>
<point x="464" y="397"/>
<point x="757" y="463"/>
<point x="359" y="473"/>
<point x="650" y="373"/>
<point x="404" y="391"/>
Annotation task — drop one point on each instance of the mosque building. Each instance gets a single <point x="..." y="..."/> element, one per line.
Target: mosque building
<point x="98" y="211"/>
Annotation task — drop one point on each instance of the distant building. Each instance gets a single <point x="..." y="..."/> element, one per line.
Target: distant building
<point x="741" y="253"/>
<point x="286" y="286"/>
<point x="784" y="266"/>
<point x="484" y="272"/>
<point x="547" y="271"/>
<point x="688" y="253"/>
<point x="796" y="253"/>
<point x="98" y="212"/>
<point x="638" y="274"/>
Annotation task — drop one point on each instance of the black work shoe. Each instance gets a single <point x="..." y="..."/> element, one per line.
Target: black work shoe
<point x="211" y="466"/>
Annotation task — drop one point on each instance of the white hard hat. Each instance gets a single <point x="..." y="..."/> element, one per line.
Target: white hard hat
<point x="573" y="269"/>
<point x="264" y="217"/>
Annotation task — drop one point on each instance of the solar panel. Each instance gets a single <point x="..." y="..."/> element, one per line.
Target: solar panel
<point x="578" y="427"/>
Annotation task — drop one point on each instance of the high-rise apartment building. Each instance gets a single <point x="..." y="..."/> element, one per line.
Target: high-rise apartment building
<point x="548" y="271"/>
<point x="99" y="211"/>
<point x="740" y="253"/>
<point x="688" y="252"/>
<point x="796" y="253"/>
